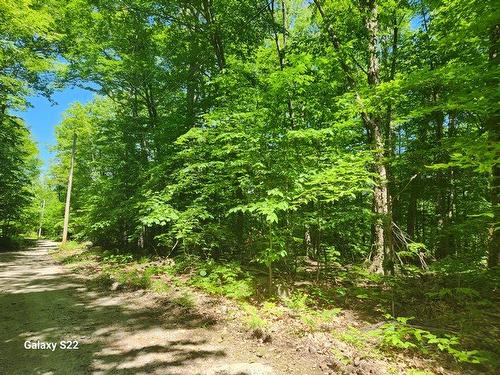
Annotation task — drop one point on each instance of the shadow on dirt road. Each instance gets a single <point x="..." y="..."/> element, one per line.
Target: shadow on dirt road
<point x="40" y="301"/>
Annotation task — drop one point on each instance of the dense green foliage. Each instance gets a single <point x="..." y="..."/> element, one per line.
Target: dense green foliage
<point x="18" y="157"/>
<point x="265" y="142"/>
<point x="278" y="132"/>
<point x="26" y="58"/>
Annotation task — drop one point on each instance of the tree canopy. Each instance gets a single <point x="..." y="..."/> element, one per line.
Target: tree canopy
<point x="267" y="131"/>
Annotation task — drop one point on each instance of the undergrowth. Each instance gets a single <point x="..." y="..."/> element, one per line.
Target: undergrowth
<point x="398" y="333"/>
<point x="228" y="279"/>
<point x="70" y="246"/>
<point x="317" y="306"/>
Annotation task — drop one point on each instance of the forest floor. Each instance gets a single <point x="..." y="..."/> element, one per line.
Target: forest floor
<point x="126" y="328"/>
<point x="122" y="333"/>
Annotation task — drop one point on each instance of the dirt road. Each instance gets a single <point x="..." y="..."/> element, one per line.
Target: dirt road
<point x="41" y="304"/>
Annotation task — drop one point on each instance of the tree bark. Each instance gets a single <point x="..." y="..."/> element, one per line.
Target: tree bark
<point x="216" y="37"/>
<point x="68" y="193"/>
<point x="42" y="211"/>
<point x="382" y="252"/>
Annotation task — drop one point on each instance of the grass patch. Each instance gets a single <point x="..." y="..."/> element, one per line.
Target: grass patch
<point x="76" y="257"/>
<point x="111" y="258"/>
<point x="341" y="357"/>
<point x="314" y="320"/>
<point x="413" y="371"/>
<point x="186" y="300"/>
<point x="102" y="281"/>
<point x="133" y="279"/>
<point x="70" y="246"/>
<point x="273" y="309"/>
<point x="352" y="336"/>
<point x="253" y="319"/>
<point x="159" y="286"/>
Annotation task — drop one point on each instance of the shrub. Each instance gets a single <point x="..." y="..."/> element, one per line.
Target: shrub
<point x="253" y="320"/>
<point x="400" y="334"/>
<point x="272" y="309"/>
<point x="117" y="258"/>
<point x="298" y="301"/>
<point x="228" y="280"/>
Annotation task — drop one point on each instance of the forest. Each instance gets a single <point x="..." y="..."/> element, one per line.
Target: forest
<point x="331" y="152"/>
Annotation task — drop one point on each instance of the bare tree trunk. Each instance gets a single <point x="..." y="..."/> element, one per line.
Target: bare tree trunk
<point x="42" y="211"/>
<point x="68" y="193"/>
<point x="382" y="249"/>
<point x="382" y="252"/>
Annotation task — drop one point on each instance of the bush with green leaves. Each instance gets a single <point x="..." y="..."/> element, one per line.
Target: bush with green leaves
<point x="254" y="319"/>
<point x="400" y="334"/>
<point x="226" y="279"/>
<point x="297" y="301"/>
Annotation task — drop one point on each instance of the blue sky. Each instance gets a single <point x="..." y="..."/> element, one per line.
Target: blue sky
<point x="43" y="116"/>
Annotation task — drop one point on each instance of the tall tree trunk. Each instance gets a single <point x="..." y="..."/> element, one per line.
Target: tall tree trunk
<point x="442" y="184"/>
<point x="382" y="252"/>
<point x="216" y="37"/>
<point x="42" y="211"/>
<point x="382" y="249"/>
<point x="68" y="193"/>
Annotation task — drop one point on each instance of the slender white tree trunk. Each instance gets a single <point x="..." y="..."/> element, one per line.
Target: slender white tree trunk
<point x="68" y="193"/>
<point x="41" y="219"/>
